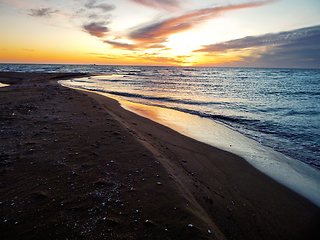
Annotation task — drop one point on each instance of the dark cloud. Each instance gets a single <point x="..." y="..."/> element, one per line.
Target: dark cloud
<point x="290" y="39"/>
<point x="96" y="29"/>
<point x="103" y="6"/>
<point x="296" y="48"/>
<point x="94" y="16"/>
<point x="158" y="32"/>
<point x="125" y="46"/>
<point x="42" y="12"/>
<point x="98" y="16"/>
<point x="157" y="45"/>
<point x="168" y="5"/>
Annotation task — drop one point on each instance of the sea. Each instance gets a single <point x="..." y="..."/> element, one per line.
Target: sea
<point x="276" y="108"/>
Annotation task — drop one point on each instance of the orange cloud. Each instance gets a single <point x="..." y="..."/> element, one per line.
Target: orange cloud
<point x="159" y="32"/>
<point x="154" y="35"/>
<point x="29" y="50"/>
<point x="161" y="59"/>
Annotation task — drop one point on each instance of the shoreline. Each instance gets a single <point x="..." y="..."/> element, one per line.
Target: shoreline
<point x="292" y="173"/>
<point x="197" y="192"/>
<point x="296" y="175"/>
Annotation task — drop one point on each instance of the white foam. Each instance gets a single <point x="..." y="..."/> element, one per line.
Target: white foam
<point x="4" y="85"/>
<point x="292" y="173"/>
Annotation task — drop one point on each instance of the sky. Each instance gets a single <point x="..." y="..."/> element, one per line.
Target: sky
<point x="227" y="33"/>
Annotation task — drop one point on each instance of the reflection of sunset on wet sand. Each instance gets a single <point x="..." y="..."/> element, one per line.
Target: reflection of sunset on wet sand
<point x="297" y="176"/>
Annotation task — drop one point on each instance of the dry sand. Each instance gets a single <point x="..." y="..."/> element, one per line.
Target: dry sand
<point x="75" y="165"/>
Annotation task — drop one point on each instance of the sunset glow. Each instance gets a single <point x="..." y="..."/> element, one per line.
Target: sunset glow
<point x="157" y="32"/>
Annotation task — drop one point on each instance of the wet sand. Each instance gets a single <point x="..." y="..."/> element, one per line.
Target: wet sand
<point x="75" y="165"/>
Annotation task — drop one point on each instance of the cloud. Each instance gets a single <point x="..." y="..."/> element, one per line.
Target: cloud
<point x="167" y="5"/>
<point x="295" y="38"/>
<point x="158" y="32"/>
<point x="159" y="59"/>
<point x="157" y="45"/>
<point x="42" y="12"/>
<point x="127" y="46"/>
<point x="299" y="47"/>
<point x="104" y="56"/>
<point x="96" y="29"/>
<point x="98" y="16"/>
<point x="121" y="45"/>
<point x="18" y="3"/>
<point x="92" y="4"/>
<point x="154" y="35"/>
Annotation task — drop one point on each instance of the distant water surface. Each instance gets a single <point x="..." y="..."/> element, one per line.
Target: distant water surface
<point x="279" y="108"/>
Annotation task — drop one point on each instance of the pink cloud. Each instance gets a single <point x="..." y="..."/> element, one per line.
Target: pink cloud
<point x="155" y="34"/>
<point x="167" y="5"/>
<point x="158" y="32"/>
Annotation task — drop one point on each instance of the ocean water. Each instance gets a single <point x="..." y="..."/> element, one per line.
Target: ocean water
<point x="279" y="108"/>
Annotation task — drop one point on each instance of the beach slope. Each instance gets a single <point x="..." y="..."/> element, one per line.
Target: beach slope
<point x="74" y="164"/>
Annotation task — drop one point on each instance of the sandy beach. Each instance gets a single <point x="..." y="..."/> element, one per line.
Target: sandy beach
<point x="75" y="165"/>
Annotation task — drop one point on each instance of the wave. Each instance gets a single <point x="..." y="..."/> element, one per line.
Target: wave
<point x="265" y="127"/>
<point x="278" y="108"/>
<point x="153" y="98"/>
<point x="289" y="93"/>
<point x="222" y="118"/>
<point x="302" y="113"/>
